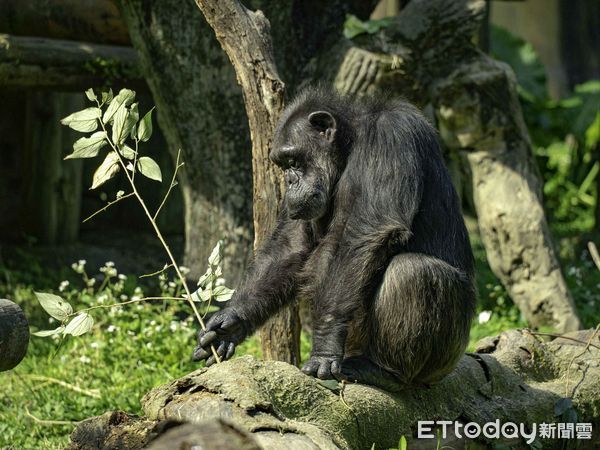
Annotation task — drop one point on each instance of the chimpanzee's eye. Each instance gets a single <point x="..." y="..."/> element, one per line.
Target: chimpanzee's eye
<point x="293" y="163"/>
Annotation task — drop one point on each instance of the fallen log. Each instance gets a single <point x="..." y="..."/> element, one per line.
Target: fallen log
<point x="14" y="335"/>
<point x="96" y="21"/>
<point x="30" y="62"/>
<point x="514" y="377"/>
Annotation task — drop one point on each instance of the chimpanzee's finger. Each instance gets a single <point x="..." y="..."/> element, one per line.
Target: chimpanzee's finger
<point x="231" y="321"/>
<point x="230" y="350"/>
<point x="206" y="338"/>
<point x="336" y="369"/>
<point x="311" y="367"/>
<point x="221" y="349"/>
<point x="200" y="354"/>
<point x="324" y="372"/>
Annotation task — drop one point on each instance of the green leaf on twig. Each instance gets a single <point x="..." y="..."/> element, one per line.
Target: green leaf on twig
<point x="81" y="324"/>
<point x="106" y="170"/>
<point x="88" y="147"/>
<point x="148" y="167"/>
<point x="54" y="305"/>
<point x="85" y="120"/>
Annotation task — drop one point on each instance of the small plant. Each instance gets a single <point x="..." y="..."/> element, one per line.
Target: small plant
<point x="115" y="125"/>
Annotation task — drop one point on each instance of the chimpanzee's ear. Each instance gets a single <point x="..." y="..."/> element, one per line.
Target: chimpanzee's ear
<point x="324" y="122"/>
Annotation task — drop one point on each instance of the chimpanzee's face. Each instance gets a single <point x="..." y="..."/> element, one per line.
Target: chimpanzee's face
<point x="304" y="147"/>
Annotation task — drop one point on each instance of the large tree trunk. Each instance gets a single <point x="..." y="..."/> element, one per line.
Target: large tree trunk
<point x="200" y="111"/>
<point x="513" y="378"/>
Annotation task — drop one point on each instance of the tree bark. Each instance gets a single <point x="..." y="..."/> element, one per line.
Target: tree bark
<point x="513" y="377"/>
<point x="30" y="62"/>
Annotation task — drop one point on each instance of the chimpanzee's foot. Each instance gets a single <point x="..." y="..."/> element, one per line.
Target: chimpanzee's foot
<point x="362" y="370"/>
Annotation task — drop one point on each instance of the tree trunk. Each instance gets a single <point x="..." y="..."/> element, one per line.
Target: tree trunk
<point x="490" y="130"/>
<point x="200" y="111"/>
<point x="513" y="377"/>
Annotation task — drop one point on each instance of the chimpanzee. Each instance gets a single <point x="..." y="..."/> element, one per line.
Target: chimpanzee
<point x="371" y="232"/>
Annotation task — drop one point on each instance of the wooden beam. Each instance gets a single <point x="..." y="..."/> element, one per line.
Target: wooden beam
<point x="31" y="62"/>
<point x="97" y="21"/>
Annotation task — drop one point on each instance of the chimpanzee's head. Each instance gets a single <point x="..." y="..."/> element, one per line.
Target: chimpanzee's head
<point x="307" y="147"/>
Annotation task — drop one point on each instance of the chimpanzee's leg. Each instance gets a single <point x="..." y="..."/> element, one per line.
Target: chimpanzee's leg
<point x="408" y="335"/>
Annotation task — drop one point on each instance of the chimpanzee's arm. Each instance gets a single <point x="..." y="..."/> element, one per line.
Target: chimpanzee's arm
<point x="378" y="225"/>
<point x="268" y="285"/>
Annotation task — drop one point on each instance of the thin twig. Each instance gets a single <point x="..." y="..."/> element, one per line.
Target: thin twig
<point x="123" y="197"/>
<point x="128" y="302"/>
<point x="146" y="275"/>
<point x="89" y="392"/>
<point x="161" y="239"/>
<point x="537" y="333"/>
<point x="50" y="422"/>
<point x="594" y="252"/>
<point x="589" y="343"/>
<point x="343" y="383"/>
<point x="178" y="165"/>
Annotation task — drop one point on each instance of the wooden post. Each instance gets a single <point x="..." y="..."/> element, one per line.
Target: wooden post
<point x="52" y="190"/>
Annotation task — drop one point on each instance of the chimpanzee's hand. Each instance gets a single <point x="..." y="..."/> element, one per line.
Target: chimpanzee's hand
<point x="324" y="367"/>
<point x="224" y="331"/>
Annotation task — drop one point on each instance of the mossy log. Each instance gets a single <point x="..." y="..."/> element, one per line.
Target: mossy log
<point x="514" y="377"/>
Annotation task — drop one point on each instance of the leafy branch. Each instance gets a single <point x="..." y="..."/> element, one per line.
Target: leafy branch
<point x="119" y="121"/>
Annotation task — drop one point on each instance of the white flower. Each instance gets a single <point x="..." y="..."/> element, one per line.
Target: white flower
<point x="84" y="359"/>
<point x="81" y="262"/>
<point x="122" y="277"/>
<point x="148" y="344"/>
<point x="51" y="320"/>
<point x="184" y="270"/>
<point x="152" y="323"/>
<point x="484" y="316"/>
<point x="94" y="345"/>
<point x="112" y="328"/>
<point x="109" y="264"/>
<point x="63" y="285"/>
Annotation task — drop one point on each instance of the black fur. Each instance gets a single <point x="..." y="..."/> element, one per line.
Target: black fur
<point x="371" y="232"/>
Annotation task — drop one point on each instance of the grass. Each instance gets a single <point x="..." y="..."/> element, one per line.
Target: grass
<point x="137" y="347"/>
